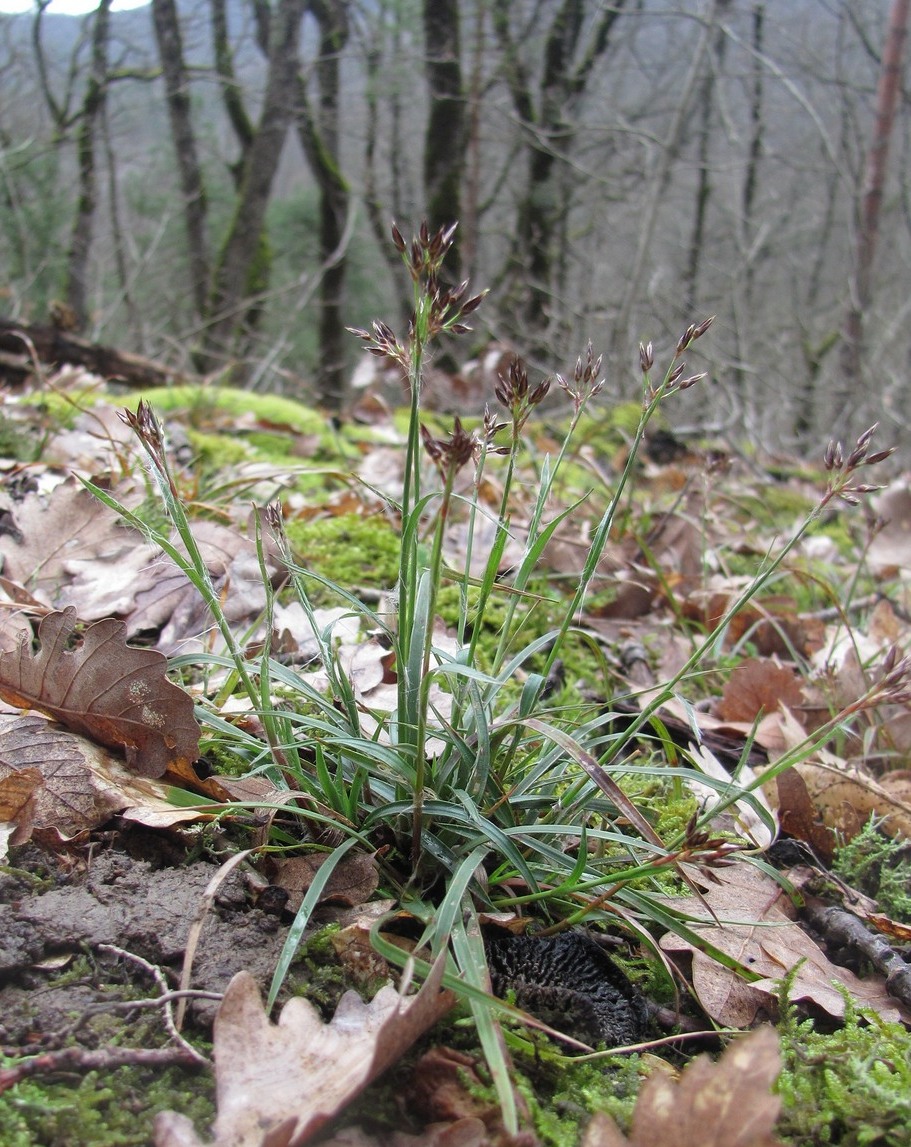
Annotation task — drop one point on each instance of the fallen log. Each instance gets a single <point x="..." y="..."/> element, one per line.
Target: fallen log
<point x="22" y="343"/>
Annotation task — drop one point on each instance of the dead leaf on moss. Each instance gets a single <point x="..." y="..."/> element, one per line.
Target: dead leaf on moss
<point x="295" y="1076"/>
<point x="757" y="929"/>
<point x="106" y="690"/>
<point x="723" y="1104"/>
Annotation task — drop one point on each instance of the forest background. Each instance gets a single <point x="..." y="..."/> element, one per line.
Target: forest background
<point x="211" y="182"/>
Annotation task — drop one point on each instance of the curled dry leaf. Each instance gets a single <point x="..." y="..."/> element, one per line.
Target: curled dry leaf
<point x="104" y="689"/>
<point x="55" y="785"/>
<point x="723" y="1104"/>
<point x="278" y="1084"/>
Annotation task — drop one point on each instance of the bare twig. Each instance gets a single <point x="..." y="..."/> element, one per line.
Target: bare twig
<point x="164" y="1000"/>
<point x="99" y="1059"/>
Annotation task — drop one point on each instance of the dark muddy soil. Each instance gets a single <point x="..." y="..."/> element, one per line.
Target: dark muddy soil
<point x="112" y="899"/>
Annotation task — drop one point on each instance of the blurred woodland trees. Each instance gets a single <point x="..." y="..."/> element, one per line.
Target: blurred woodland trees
<point x="211" y="182"/>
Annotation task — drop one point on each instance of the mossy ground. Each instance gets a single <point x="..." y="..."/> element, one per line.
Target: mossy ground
<point x="113" y="1109"/>
<point x="848" y="1087"/>
<point x="110" y="1108"/>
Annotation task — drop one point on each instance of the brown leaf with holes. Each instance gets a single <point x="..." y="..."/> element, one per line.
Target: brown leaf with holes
<point x="56" y="786"/>
<point x="353" y="881"/>
<point x="278" y="1084"/>
<point x="106" y="690"/>
<point x="723" y="1104"/>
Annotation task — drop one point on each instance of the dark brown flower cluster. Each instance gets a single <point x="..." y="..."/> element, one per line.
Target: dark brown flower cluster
<point x="842" y="466"/>
<point x="381" y="341"/>
<point x="450" y="454"/>
<point x="699" y="847"/>
<point x="894" y="685"/>
<point x="441" y="309"/>
<point x="693" y="331"/>
<point x="586" y="383"/>
<point x="424" y="256"/>
<point x="677" y="379"/>
<point x="512" y="391"/>
<point x="147" y="429"/>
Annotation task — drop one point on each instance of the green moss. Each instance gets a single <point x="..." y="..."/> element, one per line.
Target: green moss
<point x="348" y="549"/>
<point x="113" y="1109"/>
<point x="562" y="1094"/>
<point x="851" y="1087"/>
<point x="234" y="403"/>
<point x="213" y="451"/>
<point x="16" y="440"/>
<point x="776" y="506"/>
<point x="880" y="867"/>
<point x="318" y="975"/>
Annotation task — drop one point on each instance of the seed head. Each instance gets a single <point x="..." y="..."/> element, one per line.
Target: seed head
<point x="449" y="454"/>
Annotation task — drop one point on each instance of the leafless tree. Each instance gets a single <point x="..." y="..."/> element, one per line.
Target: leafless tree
<point x="888" y="92"/>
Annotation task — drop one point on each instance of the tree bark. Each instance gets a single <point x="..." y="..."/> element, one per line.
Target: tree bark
<point x="319" y="137"/>
<point x="705" y="102"/>
<point x="239" y="272"/>
<point x="177" y="89"/>
<point x="888" y="91"/>
<point x="83" y="224"/>
<point x="548" y="133"/>
<point x="445" y="139"/>
<point x="622" y="336"/>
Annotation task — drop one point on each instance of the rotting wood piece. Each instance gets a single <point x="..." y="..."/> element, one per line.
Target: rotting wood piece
<point x="55" y="348"/>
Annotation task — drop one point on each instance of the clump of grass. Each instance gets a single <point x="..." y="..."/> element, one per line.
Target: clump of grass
<point x="476" y="791"/>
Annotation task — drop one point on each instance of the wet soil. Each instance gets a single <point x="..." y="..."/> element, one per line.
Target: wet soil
<point x="112" y="899"/>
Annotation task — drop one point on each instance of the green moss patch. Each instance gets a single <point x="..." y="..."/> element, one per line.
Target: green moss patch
<point x="350" y="550"/>
<point x="113" y="1109"/>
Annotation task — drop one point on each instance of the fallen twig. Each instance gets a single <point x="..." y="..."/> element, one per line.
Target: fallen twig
<point x="98" y="1059"/>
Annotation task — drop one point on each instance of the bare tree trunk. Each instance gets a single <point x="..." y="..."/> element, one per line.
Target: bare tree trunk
<point x="471" y="207"/>
<point x="888" y="92"/>
<point x="444" y="140"/>
<point x="238" y="274"/>
<point x="177" y="89"/>
<point x="320" y="141"/>
<point x="231" y="92"/>
<point x="548" y="133"/>
<point x="657" y="182"/>
<point x="754" y="153"/>
<point x="705" y="102"/>
<point x="83" y="224"/>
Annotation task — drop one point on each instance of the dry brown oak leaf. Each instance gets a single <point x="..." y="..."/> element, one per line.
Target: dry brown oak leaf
<point x="723" y="1104"/>
<point x="278" y="1084"/>
<point x="754" y="924"/>
<point x="106" y="690"/>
